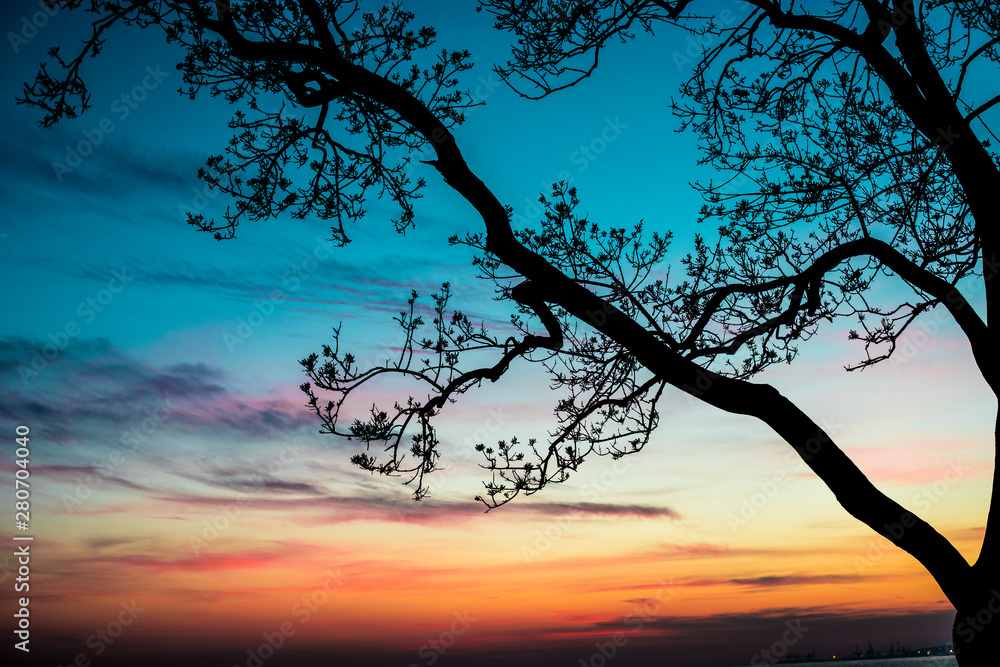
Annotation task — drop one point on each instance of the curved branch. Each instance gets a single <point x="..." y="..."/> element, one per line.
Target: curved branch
<point x="548" y="285"/>
<point x="851" y="487"/>
<point x="865" y="502"/>
<point x="946" y="293"/>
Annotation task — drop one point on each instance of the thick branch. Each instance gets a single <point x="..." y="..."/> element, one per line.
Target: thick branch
<point x="946" y="293"/>
<point x="865" y="502"/>
<point x="852" y="489"/>
<point x="925" y="98"/>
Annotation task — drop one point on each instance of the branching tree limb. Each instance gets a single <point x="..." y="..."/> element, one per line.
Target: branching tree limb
<point x="849" y="151"/>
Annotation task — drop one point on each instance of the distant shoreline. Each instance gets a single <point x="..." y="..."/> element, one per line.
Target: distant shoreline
<point x="930" y="652"/>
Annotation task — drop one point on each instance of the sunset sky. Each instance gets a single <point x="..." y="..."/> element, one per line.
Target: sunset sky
<point x="230" y="517"/>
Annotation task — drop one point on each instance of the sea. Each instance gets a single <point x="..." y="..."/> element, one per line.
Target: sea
<point x="927" y="661"/>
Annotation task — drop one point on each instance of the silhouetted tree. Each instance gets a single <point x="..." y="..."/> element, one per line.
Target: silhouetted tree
<point x="851" y="136"/>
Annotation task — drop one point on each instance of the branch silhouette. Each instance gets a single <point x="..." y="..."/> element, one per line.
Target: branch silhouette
<point x="849" y="149"/>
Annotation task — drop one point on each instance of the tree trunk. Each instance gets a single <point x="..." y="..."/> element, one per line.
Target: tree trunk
<point x="976" y="633"/>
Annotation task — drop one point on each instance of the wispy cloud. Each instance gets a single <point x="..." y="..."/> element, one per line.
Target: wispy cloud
<point x="393" y="507"/>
